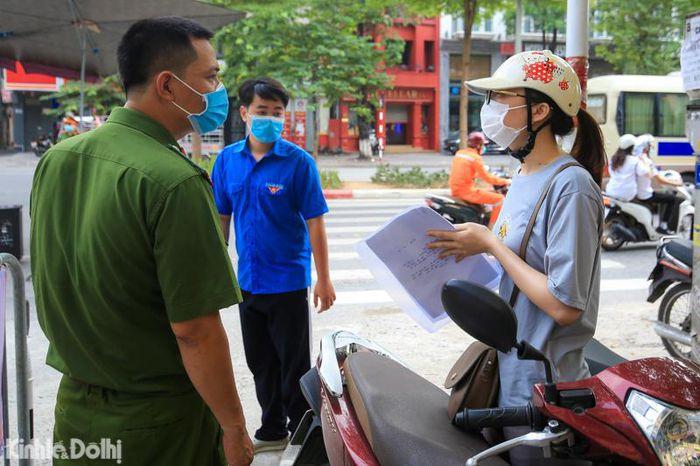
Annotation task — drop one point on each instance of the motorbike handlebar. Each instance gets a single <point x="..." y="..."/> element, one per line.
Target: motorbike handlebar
<point x="512" y="416"/>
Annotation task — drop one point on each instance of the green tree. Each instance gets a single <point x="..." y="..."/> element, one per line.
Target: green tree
<point x="470" y="11"/>
<point x="101" y="97"/>
<point x="549" y="17"/>
<point x="320" y="50"/>
<point x="645" y="34"/>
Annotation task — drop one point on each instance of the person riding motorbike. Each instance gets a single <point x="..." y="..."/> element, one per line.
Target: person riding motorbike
<point x="467" y="168"/>
<point x="532" y="98"/>
<point x="625" y="170"/>
<point x="668" y="202"/>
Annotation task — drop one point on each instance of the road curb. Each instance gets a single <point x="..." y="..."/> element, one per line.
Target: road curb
<point x="338" y="193"/>
<point x="395" y="193"/>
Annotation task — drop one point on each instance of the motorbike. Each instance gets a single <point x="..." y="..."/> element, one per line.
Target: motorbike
<point x="633" y="221"/>
<point x="672" y="279"/>
<point x="368" y="408"/>
<point x="459" y="211"/>
<point x="41" y="144"/>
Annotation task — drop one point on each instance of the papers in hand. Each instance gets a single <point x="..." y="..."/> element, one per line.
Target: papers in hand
<point x="413" y="275"/>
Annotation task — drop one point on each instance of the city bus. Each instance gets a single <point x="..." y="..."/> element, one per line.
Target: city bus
<point x="639" y="104"/>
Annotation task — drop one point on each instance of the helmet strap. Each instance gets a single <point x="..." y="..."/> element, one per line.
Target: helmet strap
<point x="524" y="151"/>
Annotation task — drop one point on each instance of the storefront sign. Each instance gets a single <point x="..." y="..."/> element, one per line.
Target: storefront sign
<point x="20" y="80"/>
<point x="690" y="53"/>
<point x="410" y="95"/>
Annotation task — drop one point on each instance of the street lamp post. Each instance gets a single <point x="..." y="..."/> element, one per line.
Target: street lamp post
<point x="577" y="40"/>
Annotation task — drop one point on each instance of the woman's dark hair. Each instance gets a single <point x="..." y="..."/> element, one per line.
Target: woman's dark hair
<point x="265" y="88"/>
<point x="620" y="156"/>
<point x="588" y="149"/>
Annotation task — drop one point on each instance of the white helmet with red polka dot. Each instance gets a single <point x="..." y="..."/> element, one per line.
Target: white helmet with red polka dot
<point x="538" y="70"/>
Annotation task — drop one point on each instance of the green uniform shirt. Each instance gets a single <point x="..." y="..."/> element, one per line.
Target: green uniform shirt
<point x="125" y="238"/>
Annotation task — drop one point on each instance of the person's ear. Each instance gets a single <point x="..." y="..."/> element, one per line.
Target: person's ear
<point x="163" y="84"/>
<point x="540" y="112"/>
<point x="244" y="113"/>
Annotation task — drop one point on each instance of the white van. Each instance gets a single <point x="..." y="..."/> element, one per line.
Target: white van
<point x="639" y="104"/>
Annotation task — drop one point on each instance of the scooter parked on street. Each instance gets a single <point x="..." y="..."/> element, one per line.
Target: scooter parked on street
<point x="672" y="279"/>
<point x="369" y="409"/>
<point x="633" y="221"/>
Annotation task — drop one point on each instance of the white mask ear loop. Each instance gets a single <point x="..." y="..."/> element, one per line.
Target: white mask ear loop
<point x="193" y="90"/>
<point x="506" y="112"/>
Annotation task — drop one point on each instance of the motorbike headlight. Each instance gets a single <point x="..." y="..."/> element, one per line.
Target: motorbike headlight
<point x="674" y="433"/>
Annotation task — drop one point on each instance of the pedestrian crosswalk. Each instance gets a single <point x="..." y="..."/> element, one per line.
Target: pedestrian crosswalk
<point x="351" y="220"/>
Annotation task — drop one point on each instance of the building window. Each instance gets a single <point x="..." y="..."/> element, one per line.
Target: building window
<point x="480" y="66"/>
<point x="407" y="52"/>
<point x="529" y="24"/>
<point x="335" y="111"/>
<point x="429" y="53"/>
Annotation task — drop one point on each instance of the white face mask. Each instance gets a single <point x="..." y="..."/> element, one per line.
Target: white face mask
<point x="492" y="115"/>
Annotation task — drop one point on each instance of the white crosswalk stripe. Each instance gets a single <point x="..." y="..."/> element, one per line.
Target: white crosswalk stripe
<point x="343" y="256"/>
<point x="343" y="241"/>
<point x="356" y="220"/>
<point x="625" y="284"/>
<point x="351" y="229"/>
<point x="349" y="221"/>
<point x="385" y="213"/>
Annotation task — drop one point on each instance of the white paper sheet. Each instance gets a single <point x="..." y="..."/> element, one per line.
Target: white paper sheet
<point x="413" y="275"/>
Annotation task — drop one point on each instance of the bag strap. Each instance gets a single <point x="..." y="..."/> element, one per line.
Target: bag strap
<point x="533" y="219"/>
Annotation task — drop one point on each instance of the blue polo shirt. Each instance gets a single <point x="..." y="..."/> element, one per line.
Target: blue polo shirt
<point x="270" y="202"/>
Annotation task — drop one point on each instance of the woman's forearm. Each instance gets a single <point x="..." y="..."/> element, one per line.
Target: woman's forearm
<point x="534" y="285"/>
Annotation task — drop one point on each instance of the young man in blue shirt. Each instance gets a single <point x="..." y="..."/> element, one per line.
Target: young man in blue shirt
<point x="272" y="190"/>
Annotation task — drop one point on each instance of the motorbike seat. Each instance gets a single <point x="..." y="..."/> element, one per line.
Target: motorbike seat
<point x="477" y="207"/>
<point x="681" y="249"/>
<point x="599" y="357"/>
<point x="633" y="201"/>
<point x="404" y="417"/>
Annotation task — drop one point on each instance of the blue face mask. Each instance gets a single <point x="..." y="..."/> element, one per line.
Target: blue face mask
<point x="266" y="129"/>
<point x="215" y="109"/>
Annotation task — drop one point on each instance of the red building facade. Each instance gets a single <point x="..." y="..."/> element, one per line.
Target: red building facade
<point x="409" y="116"/>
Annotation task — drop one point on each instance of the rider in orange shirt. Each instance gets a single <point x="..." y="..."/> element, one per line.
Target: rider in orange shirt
<point x="467" y="167"/>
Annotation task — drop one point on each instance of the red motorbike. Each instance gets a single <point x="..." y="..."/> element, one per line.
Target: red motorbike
<point x="368" y="409"/>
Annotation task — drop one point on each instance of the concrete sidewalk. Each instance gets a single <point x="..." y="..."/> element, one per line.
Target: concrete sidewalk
<point x="420" y="159"/>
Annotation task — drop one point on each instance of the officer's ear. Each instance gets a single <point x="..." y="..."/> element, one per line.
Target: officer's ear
<point x="163" y="85"/>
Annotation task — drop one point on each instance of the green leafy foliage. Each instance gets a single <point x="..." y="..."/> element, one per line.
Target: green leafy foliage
<point x="319" y="49"/>
<point x="100" y="97"/>
<point x="330" y="179"/>
<point x="645" y="34"/>
<point x="547" y="15"/>
<point x="207" y="163"/>
<point x="412" y="178"/>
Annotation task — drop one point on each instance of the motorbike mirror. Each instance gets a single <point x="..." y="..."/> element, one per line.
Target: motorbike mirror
<point x="481" y="313"/>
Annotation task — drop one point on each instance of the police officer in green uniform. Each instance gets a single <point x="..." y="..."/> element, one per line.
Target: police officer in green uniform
<point x="130" y="267"/>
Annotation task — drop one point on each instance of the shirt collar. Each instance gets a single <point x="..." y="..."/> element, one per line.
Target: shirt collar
<point x="279" y="148"/>
<point x="142" y="122"/>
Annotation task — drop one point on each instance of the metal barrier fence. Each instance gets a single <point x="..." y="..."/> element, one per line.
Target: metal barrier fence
<point x="25" y="410"/>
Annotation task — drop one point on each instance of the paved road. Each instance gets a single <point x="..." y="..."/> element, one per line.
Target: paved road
<point x="363" y="307"/>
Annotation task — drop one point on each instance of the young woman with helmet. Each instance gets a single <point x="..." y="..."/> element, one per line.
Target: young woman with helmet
<point x="533" y="98"/>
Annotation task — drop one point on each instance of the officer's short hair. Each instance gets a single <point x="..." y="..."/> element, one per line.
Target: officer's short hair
<point x="265" y="88"/>
<point x="156" y="44"/>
